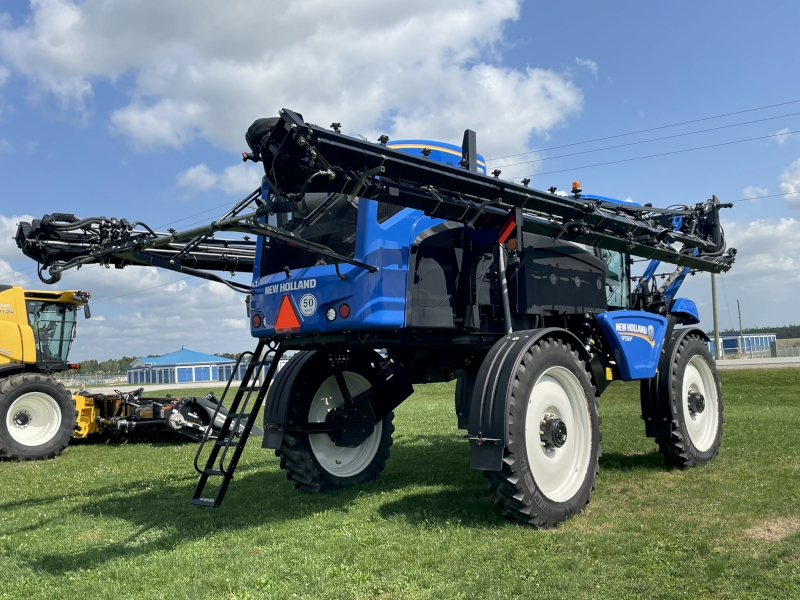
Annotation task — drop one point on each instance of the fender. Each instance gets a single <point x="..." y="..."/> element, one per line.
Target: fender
<point x="655" y="392"/>
<point x="464" y="388"/>
<point x="389" y="387"/>
<point x="276" y="406"/>
<point x="488" y="416"/>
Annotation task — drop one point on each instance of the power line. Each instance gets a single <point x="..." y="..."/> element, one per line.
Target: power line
<point x="198" y="214"/>
<point x="610" y="137"/>
<point x="614" y="162"/>
<point x="770" y="196"/>
<point x="666" y="137"/>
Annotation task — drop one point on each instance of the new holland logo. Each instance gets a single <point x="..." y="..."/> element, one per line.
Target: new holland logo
<point x="628" y="331"/>
<point x="290" y="286"/>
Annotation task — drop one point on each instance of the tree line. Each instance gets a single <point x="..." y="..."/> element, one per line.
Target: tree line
<point x="783" y="332"/>
<point x="120" y="365"/>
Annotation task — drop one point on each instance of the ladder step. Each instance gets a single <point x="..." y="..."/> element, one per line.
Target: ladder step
<point x="250" y="389"/>
<point x="243" y="416"/>
<point x="216" y="472"/>
<point x="224" y="442"/>
<point x="210" y="502"/>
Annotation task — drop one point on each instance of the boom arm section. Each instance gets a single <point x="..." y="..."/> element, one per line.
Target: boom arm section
<point x="60" y="242"/>
<point x="300" y="158"/>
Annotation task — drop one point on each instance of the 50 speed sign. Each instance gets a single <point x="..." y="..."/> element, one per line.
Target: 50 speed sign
<point x="308" y="305"/>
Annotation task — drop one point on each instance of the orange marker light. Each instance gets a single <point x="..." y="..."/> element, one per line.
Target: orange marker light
<point x="576" y="184"/>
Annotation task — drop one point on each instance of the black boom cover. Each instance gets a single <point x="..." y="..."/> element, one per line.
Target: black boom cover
<point x="259" y="130"/>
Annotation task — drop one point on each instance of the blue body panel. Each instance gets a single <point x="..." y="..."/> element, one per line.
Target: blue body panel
<point x="686" y="310"/>
<point x="612" y="200"/>
<point x="636" y="339"/>
<point x="377" y="300"/>
<point x="447" y="154"/>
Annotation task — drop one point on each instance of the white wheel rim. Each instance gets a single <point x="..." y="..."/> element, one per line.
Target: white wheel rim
<point x="701" y="426"/>
<point x="337" y="460"/>
<point x="559" y="472"/>
<point x="33" y="419"/>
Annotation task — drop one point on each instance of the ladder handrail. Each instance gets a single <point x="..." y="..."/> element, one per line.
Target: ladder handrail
<point x="206" y="436"/>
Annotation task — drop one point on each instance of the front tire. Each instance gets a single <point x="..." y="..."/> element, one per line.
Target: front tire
<point x="37" y="417"/>
<point x="695" y="401"/>
<point x="551" y="461"/>
<point x="313" y="461"/>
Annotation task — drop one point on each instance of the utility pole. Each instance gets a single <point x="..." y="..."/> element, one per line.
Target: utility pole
<point x="741" y="335"/>
<point x="717" y="345"/>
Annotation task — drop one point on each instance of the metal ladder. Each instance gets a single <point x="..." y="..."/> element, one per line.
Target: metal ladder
<point x="238" y="417"/>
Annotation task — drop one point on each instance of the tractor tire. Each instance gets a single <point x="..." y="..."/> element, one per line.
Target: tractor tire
<point x="37" y="417"/>
<point x="313" y="461"/>
<point x="695" y="403"/>
<point x="551" y="460"/>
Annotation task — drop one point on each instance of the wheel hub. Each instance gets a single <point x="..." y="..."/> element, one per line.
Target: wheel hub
<point x="552" y="431"/>
<point x="697" y="403"/>
<point x="22" y="419"/>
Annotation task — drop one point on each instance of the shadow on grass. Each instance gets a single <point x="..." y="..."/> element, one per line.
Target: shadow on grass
<point x="161" y="439"/>
<point x="161" y="517"/>
<point x="652" y="461"/>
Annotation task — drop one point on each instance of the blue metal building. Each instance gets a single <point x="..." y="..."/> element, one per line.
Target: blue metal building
<point x="748" y="345"/>
<point x="183" y="366"/>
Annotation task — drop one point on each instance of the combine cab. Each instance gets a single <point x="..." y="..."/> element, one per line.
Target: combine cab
<point x="399" y="263"/>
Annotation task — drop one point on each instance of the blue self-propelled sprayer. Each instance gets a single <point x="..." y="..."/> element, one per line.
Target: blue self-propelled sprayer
<point x="378" y="266"/>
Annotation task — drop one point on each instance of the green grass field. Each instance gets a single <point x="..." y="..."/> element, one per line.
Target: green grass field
<point x="113" y="520"/>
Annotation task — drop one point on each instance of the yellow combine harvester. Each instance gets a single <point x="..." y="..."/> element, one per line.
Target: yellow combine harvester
<point x="37" y="414"/>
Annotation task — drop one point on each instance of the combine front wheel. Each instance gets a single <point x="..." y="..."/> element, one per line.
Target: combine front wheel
<point x="37" y="417"/>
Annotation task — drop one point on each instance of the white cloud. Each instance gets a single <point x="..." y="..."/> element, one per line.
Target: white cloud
<point x="790" y="184"/>
<point x="768" y="259"/>
<point x="198" y="179"/>
<point x="781" y="136"/>
<point x="142" y="310"/>
<point x="166" y="123"/>
<point x="5" y="73"/>
<point x="240" y="179"/>
<point x="6" y="147"/>
<point x="11" y="276"/>
<point x="235" y="323"/>
<point x="236" y="179"/>
<point x="410" y="69"/>
<point x="8" y="229"/>
<point x="753" y="191"/>
<point x="589" y="64"/>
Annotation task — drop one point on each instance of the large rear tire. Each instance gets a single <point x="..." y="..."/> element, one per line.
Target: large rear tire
<point x="313" y="461"/>
<point x="695" y="401"/>
<point x="551" y="461"/>
<point x="37" y="417"/>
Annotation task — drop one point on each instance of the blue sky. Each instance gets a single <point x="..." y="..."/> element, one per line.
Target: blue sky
<point x="138" y="109"/>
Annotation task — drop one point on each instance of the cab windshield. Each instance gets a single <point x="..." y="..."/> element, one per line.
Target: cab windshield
<point x="53" y="327"/>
